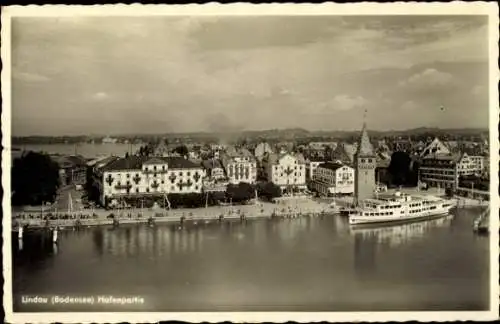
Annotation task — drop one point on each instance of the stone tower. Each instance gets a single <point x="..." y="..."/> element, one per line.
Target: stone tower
<point x="365" y="163"/>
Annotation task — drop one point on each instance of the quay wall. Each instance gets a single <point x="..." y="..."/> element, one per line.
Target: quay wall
<point x="100" y="216"/>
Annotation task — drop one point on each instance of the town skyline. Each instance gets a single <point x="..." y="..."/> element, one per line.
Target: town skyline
<point x="115" y="75"/>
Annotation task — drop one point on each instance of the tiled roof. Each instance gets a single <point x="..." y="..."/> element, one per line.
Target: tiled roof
<point x="443" y="157"/>
<point x="135" y="162"/>
<point x="211" y="164"/>
<point x="177" y="162"/>
<point x="71" y="161"/>
<point x="273" y="158"/>
<point x="132" y="162"/>
<point x="331" y="166"/>
<point x="314" y="158"/>
<point x="154" y="160"/>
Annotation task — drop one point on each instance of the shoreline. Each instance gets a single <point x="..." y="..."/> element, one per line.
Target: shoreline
<point x="305" y="207"/>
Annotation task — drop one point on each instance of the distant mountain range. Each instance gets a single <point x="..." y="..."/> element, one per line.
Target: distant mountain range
<point x="283" y="134"/>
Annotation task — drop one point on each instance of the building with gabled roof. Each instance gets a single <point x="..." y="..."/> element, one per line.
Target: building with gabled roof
<point x="436" y="147"/>
<point x="344" y="152"/>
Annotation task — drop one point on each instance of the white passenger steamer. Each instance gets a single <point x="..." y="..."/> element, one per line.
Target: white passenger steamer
<point x="399" y="207"/>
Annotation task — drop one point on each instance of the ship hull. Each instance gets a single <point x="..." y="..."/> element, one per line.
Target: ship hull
<point x="370" y="220"/>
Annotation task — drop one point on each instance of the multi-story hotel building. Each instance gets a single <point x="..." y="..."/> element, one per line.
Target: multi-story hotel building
<point x="332" y="178"/>
<point x="444" y="170"/>
<point x="239" y="166"/>
<point x="286" y="170"/>
<point x="137" y="176"/>
<point x="440" y="170"/>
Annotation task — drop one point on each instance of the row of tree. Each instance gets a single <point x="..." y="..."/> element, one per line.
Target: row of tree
<point x="235" y="194"/>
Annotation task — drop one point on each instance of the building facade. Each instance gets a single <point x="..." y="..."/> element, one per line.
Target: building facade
<point x="261" y="150"/>
<point x="440" y="170"/>
<point x="136" y="176"/>
<point x="311" y="164"/>
<point x="239" y="166"/>
<point x="332" y="178"/>
<point x="72" y="170"/>
<point x="365" y="164"/>
<point x="214" y="170"/>
<point x="287" y="170"/>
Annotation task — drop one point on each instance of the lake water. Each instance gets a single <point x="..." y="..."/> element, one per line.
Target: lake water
<point x="87" y="150"/>
<point x="305" y="264"/>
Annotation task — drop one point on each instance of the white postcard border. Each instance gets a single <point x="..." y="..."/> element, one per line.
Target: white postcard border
<point x="243" y="9"/>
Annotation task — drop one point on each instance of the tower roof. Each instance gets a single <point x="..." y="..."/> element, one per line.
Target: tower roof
<point x="365" y="147"/>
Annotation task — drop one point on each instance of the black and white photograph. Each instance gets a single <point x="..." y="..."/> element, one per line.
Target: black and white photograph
<point x="250" y="162"/>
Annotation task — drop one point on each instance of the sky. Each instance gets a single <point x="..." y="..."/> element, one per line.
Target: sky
<point x="123" y="75"/>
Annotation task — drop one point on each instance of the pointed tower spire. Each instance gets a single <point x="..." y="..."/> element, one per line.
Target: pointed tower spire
<point x="365" y="147"/>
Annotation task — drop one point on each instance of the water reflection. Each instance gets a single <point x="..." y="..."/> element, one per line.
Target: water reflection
<point x="303" y="262"/>
<point x="399" y="234"/>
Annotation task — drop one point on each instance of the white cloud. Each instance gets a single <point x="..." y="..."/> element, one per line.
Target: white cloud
<point x="428" y="78"/>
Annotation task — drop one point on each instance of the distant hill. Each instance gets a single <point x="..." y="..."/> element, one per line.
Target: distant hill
<point x="271" y="134"/>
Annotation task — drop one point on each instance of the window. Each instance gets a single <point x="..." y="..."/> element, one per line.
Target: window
<point x="163" y="167"/>
<point x="154" y="167"/>
<point x="180" y="173"/>
<point x="147" y="189"/>
<point x="128" y="175"/>
<point x="188" y="173"/>
<point x="136" y="189"/>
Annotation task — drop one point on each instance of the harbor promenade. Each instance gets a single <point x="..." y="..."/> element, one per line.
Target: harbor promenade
<point x="284" y="208"/>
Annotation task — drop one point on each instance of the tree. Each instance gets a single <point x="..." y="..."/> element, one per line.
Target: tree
<point x="240" y="192"/>
<point x="181" y="150"/>
<point x="399" y="168"/>
<point x="268" y="190"/>
<point x="35" y="179"/>
<point x="91" y="188"/>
